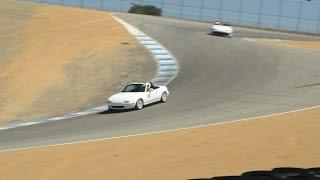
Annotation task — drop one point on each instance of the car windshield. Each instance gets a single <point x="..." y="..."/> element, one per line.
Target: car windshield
<point x="221" y="24"/>
<point x="134" y="88"/>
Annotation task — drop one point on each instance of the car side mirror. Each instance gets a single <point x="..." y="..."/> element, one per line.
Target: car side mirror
<point x="150" y="90"/>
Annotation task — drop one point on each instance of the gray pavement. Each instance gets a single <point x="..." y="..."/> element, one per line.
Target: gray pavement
<point x="220" y="80"/>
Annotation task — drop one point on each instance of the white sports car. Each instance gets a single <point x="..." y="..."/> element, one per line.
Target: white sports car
<point x="137" y="95"/>
<point x="221" y="29"/>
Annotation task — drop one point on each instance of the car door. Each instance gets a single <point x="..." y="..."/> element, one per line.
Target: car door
<point x="149" y="95"/>
<point x="152" y="95"/>
<point x="157" y="94"/>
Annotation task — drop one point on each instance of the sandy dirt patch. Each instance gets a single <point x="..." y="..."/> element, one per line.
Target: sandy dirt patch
<point x="289" y="140"/>
<point x="304" y="44"/>
<point x="60" y="60"/>
<point x="313" y="45"/>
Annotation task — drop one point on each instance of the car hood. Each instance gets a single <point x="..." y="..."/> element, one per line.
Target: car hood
<point x="125" y="96"/>
<point x="222" y="28"/>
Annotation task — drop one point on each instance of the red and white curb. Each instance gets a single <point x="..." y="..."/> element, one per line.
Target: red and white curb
<point x="167" y="70"/>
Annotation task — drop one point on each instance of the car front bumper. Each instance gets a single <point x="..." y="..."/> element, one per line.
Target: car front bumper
<point x="121" y="106"/>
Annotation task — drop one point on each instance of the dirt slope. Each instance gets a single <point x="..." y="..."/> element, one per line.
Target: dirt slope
<point x="57" y="60"/>
<point x="290" y="140"/>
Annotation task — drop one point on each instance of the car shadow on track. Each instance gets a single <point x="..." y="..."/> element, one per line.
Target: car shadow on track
<point x="127" y="110"/>
<point x="283" y="173"/>
<point x="221" y="35"/>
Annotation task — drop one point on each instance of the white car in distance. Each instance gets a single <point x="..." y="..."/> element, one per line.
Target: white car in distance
<point x="222" y="29"/>
<point x="137" y="95"/>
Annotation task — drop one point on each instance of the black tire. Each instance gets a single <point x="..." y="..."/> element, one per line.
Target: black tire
<point x="111" y="110"/>
<point x="139" y="104"/>
<point x="164" y="97"/>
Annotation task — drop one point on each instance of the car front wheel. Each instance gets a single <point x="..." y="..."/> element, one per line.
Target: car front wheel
<point x="164" y="97"/>
<point x="139" y="104"/>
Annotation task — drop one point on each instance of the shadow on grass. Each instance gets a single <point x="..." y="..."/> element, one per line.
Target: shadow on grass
<point x="283" y="173"/>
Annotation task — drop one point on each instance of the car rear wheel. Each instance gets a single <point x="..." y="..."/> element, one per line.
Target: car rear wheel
<point x="139" y="104"/>
<point x="164" y="97"/>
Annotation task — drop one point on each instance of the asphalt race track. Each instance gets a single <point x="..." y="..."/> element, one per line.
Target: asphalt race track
<point x="220" y="80"/>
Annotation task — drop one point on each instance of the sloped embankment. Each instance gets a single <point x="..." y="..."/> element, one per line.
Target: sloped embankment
<point x="56" y="60"/>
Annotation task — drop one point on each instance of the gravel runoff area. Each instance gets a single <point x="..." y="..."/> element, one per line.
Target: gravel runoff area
<point x="56" y="60"/>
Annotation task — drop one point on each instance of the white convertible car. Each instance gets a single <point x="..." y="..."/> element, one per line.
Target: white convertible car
<point x="221" y="29"/>
<point x="137" y="95"/>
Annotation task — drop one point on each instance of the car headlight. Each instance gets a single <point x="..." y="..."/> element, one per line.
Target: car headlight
<point x="109" y="101"/>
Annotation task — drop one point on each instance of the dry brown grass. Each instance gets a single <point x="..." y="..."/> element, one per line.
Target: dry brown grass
<point x="290" y="140"/>
<point x="313" y="45"/>
<point x="63" y="59"/>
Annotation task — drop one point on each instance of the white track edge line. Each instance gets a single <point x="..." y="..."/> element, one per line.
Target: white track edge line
<point x="159" y="132"/>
